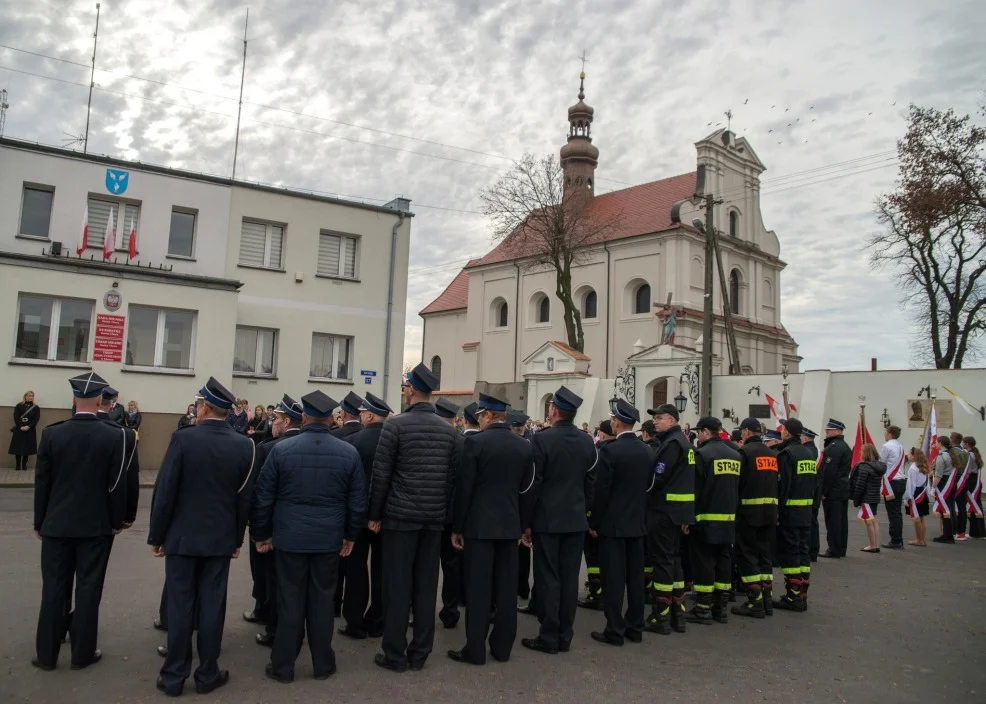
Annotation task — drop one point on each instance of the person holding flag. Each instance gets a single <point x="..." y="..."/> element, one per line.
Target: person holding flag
<point x="893" y="486"/>
<point x="916" y="494"/>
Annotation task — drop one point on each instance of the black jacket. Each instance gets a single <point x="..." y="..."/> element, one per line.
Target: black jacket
<point x="25" y="442"/>
<point x="836" y="464"/>
<point x="118" y="414"/>
<point x="497" y="468"/>
<point x="202" y="498"/>
<point x="563" y="456"/>
<point x="758" y="485"/>
<point x="413" y="470"/>
<point x="79" y="487"/>
<point x="623" y="473"/>
<point x="866" y="481"/>
<point x="131" y="466"/>
<point x="365" y="441"/>
<point x="717" y="473"/>
<point x="350" y="427"/>
<point x="798" y="476"/>
<point x="812" y="448"/>
<point x="672" y="489"/>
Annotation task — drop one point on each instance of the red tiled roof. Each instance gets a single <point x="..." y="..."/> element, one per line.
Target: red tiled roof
<point x="454" y="297"/>
<point x="574" y="354"/>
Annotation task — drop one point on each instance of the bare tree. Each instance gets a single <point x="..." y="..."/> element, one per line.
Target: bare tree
<point x="935" y="232"/>
<point x="547" y="226"/>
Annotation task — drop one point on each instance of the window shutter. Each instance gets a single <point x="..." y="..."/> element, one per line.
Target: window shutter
<point x="349" y="268"/>
<point x="328" y="254"/>
<point x="276" y="238"/>
<point x="131" y="215"/>
<point x="253" y="238"/>
<point x="99" y="215"/>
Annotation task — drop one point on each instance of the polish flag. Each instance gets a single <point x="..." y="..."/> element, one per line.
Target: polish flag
<point x="929" y="446"/>
<point x="133" y="239"/>
<point x="863" y="437"/>
<point x="776" y="410"/>
<point x="84" y="233"/>
<point x="109" y="241"/>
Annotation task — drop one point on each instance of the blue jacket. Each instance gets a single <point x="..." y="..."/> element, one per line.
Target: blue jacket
<point x="311" y="493"/>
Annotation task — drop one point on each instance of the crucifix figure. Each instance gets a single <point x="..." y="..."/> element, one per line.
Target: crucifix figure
<point x="670" y="316"/>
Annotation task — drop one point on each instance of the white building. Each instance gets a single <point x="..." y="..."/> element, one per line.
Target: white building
<point x="271" y="291"/>
<point x="497" y="313"/>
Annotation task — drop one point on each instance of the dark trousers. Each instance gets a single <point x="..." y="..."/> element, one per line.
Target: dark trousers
<point x="814" y="541"/>
<point x="410" y="565"/>
<point x="62" y="560"/>
<point x="792" y="549"/>
<point x="306" y="584"/>
<point x="21" y="461"/>
<point x="590" y="551"/>
<point x="753" y="552"/>
<point x="270" y="574"/>
<point x="523" y="572"/>
<point x="622" y="561"/>
<point x="894" y="508"/>
<point x="663" y="554"/>
<point x="191" y="581"/>
<point x="960" y="509"/>
<point x="163" y="609"/>
<point x="489" y="567"/>
<point x="258" y="572"/>
<point x="836" y="525"/>
<point x="712" y="566"/>
<point x="340" y="587"/>
<point x="361" y="607"/>
<point x="977" y="527"/>
<point x="557" y="562"/>
<point x="453" y="581"/>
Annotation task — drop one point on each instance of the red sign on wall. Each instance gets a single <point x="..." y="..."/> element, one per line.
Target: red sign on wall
<point x="108" y="343"/>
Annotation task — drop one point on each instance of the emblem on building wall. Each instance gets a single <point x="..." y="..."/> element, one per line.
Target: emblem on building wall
<point x="117" y="181"/>
<point x="112" y="301"/>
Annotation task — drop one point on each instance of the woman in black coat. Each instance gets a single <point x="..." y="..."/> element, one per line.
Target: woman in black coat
<point x="864" y="483"/>
<point x="24" y="436"/>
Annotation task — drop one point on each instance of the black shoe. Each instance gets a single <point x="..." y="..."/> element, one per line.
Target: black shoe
<point x="450" y="623"/>
<point x="593" y="603"/>
<point x="538" y="645"/>
<point x="458" y="656"/>
<point x="265" y="639"/>
<point x="497" y="657"/>
<point x="374" y="633"/>
<point x="828" y="554"/>
<point x="633" y="636"/>
<point x="416" y="666"/>
<point x="162" y="650"/>
<point x="251" y="617"/>
<point x="352" y="633"/>
<point x="656" y="623"/>
<point x="941" y="539"/>
<point x="603" y="638"/>
<point x="163" y="688"/>
<point x="327" y="675"/>
<point x="528" y="609"/>
<point x="96" y="657"/>
<point x="221" y="681"/>
<point x="159" y="626"/>
<point x="697" y="615"/>
<point x="269" y="673"/>
<point x="788" y="603"/>
<point x="381" y="661"/>
<point x="564" y="647"/>
<point x="41" y="666"/>
<point x="894" y="546"/>
<point x="748" y="609"/>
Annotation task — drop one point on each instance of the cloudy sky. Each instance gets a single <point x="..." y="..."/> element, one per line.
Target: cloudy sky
<point x="431" y="100"/>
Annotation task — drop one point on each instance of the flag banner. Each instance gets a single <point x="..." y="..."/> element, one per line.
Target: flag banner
<point x="132" y="237"/>
<point x="109" y="240"/>
<point x="776" y="410"/>
<point x="929" y="446"/>
<point x="865" y="512"/>
<point x="913" y="508"/>
<point x="962" y="402"/>
<point x="863" y="437"/>
<point x="942" y="496"/>
<point x="972" y="501"/>
<point x="84" y="234"/>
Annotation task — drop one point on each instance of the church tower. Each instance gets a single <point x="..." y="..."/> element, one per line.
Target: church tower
<point x="579" y="157"/>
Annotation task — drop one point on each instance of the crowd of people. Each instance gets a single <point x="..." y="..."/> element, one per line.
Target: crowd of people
<point x="354" y="511"/>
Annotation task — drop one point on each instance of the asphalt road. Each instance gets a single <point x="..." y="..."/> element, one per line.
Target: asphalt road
<point x="897" y="627"/>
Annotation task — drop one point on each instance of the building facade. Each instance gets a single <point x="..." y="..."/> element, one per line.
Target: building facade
<point x="271" y="291"/>
<point x="499" y="309"/>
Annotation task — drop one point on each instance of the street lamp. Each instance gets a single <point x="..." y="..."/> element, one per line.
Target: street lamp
<point x="680" y="402"/>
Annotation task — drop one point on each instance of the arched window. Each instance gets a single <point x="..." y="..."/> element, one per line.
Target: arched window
<point x="502" y="315"/>
<point x="499" y="313"/>
<point x="641" y="299"/>
<point x="734" y="292"/>
<point x="734" y="224"/>
<point x="660" y="392"/>
<point x="436" y="367"/>
<point x="544" y="310"/>
<point x="589" y="303"/>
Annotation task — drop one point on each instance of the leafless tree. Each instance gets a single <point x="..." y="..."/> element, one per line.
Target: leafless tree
<point x="934" y="234"/>
<point x="547" y="226"/>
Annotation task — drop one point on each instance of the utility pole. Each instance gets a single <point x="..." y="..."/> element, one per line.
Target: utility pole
<point x="239" y="110"/>
<point x="92" y="76"/>
<point x="705" y="397"/>
<point x="727" y="312"/>
<point x="3" y="109"/>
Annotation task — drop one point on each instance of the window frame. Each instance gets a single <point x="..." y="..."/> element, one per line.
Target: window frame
<point x="734" y="297"/>
<point x="636" y="296"/>
<point x="436" y="369"/>
<point x="585" y="305"/>
<point x="122" y="244"/>
<point x="268" y="224"/>
<point x="51" y="354"/>
<point x="258" y="352"/>
<point x="195" y="232"/>
<point x="734" y="224"/>
<point x="357" y="247"/>
<point x="159" y="329"/>
<point x="337" y="339"/>
<point x="41" y="188"/>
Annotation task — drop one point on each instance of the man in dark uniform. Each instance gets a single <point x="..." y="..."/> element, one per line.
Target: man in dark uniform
<point x="670" y="509"/>
<point x="618" y="517"/>
<point x="80" y="503"/>
<point x="590" y="549"/>
<point x="360" y="620"/>
<point x="756" y="519"/>
<point x="287" y="424"/>
<point x="116" y="412"/>
<point x="451" y="559"/>
<point x="797" y="472"/>
<point x="717" y="472"/>
<point x="348" y="424"/>
<point x="517" y="422"/>
<point x="198" y="519"/>
<point x="835" y="465"/>
<point x="413" y="475"/>
<point x="496" y="469"/>
<point x="563" y="456"/>
<point x="310" y="506"/>
<point x="808" y="440"/>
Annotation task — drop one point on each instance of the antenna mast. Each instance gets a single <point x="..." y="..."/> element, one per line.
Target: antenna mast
<point x="239" y="110"/>
<point x="92" y="75"/>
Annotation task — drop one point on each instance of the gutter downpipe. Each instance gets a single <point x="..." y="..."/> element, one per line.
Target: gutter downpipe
<point x="609" y="312"/>
<point x="390" y="302"/>
<point x="516" y="321"/>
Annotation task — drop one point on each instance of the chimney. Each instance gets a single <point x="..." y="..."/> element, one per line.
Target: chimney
<point x="872" y="364"/>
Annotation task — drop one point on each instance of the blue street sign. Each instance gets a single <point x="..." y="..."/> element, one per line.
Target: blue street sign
<point x="367" y="372"/>
<point x="368" y="379"/>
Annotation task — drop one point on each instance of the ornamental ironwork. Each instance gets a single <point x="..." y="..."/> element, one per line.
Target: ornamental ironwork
<point x="625" y="383"/>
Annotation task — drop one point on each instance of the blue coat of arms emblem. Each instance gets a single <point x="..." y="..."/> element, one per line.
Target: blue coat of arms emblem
<point x="117" y="181"/>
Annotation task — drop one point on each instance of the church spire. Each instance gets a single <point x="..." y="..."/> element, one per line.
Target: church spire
<point x="579" y="156"/>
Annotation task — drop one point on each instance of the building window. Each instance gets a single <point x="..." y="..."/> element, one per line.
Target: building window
<point x="159" y="337"/>
<point x="542" y="308"/>
<point x="641" y="299"/>
<point x="331" y="357"/>
<point x="260" y="244"/>
<point x="499" y="313"/>
<point x="182" y="234"/>
<point x="254" y="352"/>
<point x="37" y="317"/>
<point x="126" y="216"/>
<point x="589" y="303"/>
<point x="660" y="396"/>
<point x="337" y="255"/>
<point x="733" y="224"/>
<point x="436" y="368"/>
<point x="734" y="292"/>
<point x="36" y="211"/>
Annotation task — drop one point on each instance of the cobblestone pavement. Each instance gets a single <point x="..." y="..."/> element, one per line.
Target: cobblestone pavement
<point x="896" y="627"/>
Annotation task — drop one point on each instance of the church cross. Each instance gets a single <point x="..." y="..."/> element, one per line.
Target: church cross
<point x="584" y="60"/>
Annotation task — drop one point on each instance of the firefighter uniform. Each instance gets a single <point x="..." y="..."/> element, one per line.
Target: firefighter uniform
<point x="670" y="505"/>
<point x="797" y="470"/>
<point x="755" y="521"/>
<point x="590" y="551"/>
<point x="717" y="473"/>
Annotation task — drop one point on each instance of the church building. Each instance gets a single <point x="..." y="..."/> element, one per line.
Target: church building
<point x="498" y="321"/>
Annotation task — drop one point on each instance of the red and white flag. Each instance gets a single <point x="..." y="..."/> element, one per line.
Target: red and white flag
<point x="862" y="438"/>
<point x="109" y="240"/>
<point x="776" y="409"/>
<point x="929" y="446"/>
<point x="84" y="233"/>
<point x="132" y="236"/>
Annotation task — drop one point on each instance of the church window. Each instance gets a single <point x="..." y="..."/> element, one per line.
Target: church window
<point x="499" y="313"/>
<point x="733" y="224"/>
<point x="589" y="304"/>
<point x="641" y="299"/>
<point x="541" y="308"/>
<point x="734" y="292"/>
<point x="436" y="367"/>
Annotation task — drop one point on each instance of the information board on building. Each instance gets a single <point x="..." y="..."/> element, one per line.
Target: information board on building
<point x="108" y="343"/>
